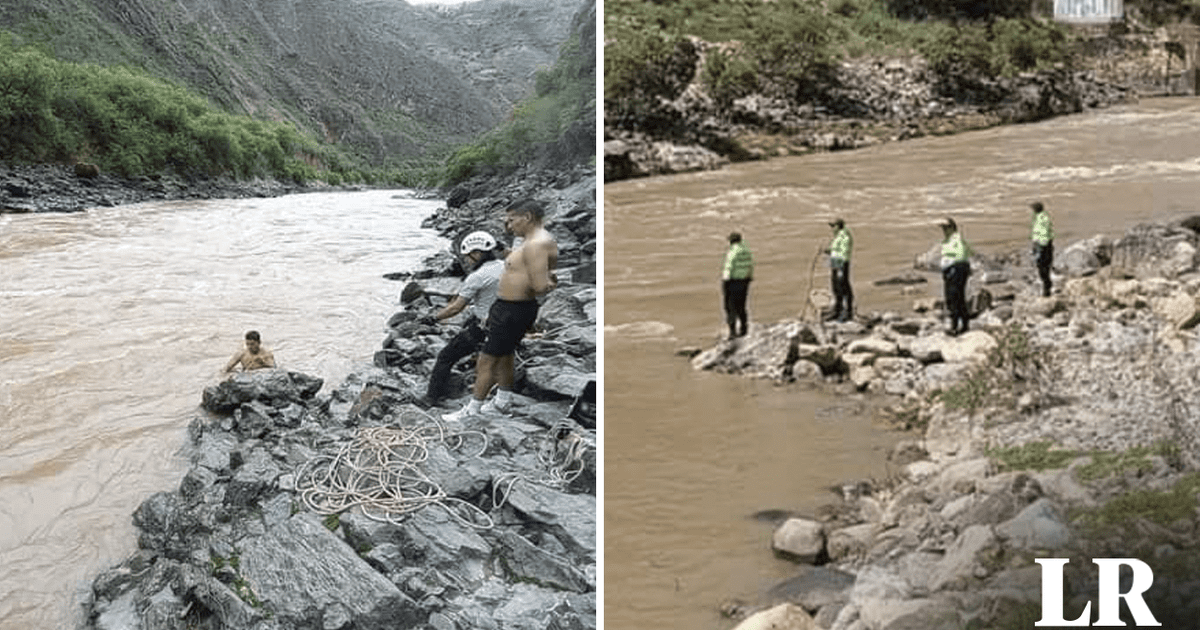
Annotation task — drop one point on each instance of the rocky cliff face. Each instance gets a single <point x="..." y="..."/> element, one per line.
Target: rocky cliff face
<point x="390" y="78"/>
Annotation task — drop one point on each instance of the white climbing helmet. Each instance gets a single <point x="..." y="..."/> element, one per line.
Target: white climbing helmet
<point x="476" y="241"/>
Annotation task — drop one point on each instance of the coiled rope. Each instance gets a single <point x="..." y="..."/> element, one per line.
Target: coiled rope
<point x="379" y="471"/>
<point x="562" y="454"/>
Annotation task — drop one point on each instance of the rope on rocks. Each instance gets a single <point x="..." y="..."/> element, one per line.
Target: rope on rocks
<point x="378" y="471"/>
<point x="562" y="455"/>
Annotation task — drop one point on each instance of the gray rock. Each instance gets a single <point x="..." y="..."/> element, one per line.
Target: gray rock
<point x="443" y="540"/>
<point x="458" y="475"/>
<point x="989" y="509"/>
<point x="302" y="572"/>
<point x="813" y="588"/>
<point x="958" y="568"/>
<point x="526" y="562"/>
<point x="558" y="380"/>
<point x="255" y="476"/>
<point x="1037" y="527"/>
<point x="1083" y="258"/>
<point x="927" y="348"/>
<point x="800" y="539"/>
<point x="196" y="481"/>
<point x="253" y="419"/>
<point x="167" y="526"/>
<point x="276" y="387"/>
<point x="872" y="345"/>
<point x="848" y="543"/>
<point x="215" y="450"/>
<point x="1154" y="250"/>
<point x="571" y="517"/>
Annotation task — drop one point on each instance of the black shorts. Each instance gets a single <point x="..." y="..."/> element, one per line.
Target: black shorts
<point x="507" y="323"/>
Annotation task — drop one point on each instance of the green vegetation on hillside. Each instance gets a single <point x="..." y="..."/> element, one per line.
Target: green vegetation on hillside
<point x="555" y="124"/>
<point x="132" y="124"/>
<point x="787" y="48"/>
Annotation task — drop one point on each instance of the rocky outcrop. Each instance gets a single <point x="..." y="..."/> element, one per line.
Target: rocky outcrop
<point x="280" y="525"/>
<point x="1058" y="427"/>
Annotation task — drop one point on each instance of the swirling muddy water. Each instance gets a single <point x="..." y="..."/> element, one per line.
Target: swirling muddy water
<point x="690" y="457"/>
<point x="114" y="320"/>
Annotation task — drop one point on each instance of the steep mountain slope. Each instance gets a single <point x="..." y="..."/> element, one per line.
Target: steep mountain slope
<point x="392" y="80"/>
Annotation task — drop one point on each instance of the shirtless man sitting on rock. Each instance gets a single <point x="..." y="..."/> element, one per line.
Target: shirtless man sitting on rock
<point x="528" y="274"/>
<point x="253" y="357"/>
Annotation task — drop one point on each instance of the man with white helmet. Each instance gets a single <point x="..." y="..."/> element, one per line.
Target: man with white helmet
<point x="482" y="255"/>
<point x="528" y="275"/>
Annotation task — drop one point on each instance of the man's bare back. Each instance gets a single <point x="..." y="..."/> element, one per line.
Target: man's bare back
<point x="529" y="269"/>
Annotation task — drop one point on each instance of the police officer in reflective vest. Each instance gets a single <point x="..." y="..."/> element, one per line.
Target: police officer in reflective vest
<point x="955" y="271"/>
<point x="839" y="271"/>
<point x="1043" y="243"/>
<point x="735" y="284"/>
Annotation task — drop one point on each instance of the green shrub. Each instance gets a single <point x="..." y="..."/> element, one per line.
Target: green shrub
<point x="1162" y="507"/>
<point x="728" y="77"/>
<point x="1035" y="456"/>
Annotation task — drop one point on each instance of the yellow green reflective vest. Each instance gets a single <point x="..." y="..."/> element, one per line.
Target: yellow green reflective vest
<point x="954" y="250"/>
<point x="841" y="245"/>
<point x="1043" y="228"/>
<point x="739" y="265"/>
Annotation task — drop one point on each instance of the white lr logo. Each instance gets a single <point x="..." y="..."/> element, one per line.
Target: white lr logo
<point x="1110" y="593"/>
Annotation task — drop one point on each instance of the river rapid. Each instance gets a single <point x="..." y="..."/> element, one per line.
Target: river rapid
<point x="690" y="457"/>
<point x="116" y="319"/>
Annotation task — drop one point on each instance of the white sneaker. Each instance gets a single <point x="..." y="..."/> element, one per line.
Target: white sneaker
<point x="491" y="407"/>
<point x="460" y="415"/>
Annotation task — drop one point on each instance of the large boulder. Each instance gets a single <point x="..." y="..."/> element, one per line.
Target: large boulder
<point x="1083" y="258"/>
<point x="1038" y="527"/>
<point x="1154" y="250"/>
<point x="276" y="387"/>
<point x="781" y="617"/>
<point x="308" y="577"/>
<point x="800" y="539"/>
<point x="969" y="347"/>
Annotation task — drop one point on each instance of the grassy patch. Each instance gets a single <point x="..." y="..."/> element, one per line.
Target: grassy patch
<point x="1043" y="456"/>
<point x="1035" y="456"/>
<point x="971" y="393"/>
<point x="1137" y="459"/>
<point x="1162" y="507"/>
<point x="994" y="382"/>
<point x="332" y="522"/>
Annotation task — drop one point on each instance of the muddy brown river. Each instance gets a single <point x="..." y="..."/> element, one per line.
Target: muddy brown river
<point x="114" y="321"/>
<point x="690" y="457"/>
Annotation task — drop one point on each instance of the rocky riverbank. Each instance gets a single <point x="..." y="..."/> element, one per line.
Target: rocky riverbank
<point x="28" y="188"/>
<point x="875" y="100"/>
<point x="362" y="508"/>
<point x="1058" y="427"/>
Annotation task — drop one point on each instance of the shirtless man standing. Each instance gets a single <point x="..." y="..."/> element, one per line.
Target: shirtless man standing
<point x="528" y="275"/>
<point x="253" y="357"/>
